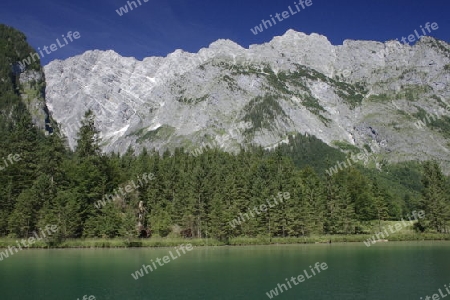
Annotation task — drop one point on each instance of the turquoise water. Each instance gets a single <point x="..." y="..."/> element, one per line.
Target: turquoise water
<point x="384" y="271"/>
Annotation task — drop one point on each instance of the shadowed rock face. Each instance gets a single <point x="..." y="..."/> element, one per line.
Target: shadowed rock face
<point x="32" y="92"/>
<point x="361" y="92"/>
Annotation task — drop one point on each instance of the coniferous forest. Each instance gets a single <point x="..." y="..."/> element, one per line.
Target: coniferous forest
<point x="193" y="196"/>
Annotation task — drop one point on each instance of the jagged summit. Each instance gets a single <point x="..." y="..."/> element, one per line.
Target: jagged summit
<point x="222" y="44"/>
<point x="294" y="83"/>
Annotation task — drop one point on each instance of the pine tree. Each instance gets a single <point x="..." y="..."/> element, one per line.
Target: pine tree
<point x="435" y="197"/>
<point x="380" y="204"/>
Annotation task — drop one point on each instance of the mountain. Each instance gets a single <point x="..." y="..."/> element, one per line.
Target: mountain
<point x="27" y="85"/>
<point x="359" y="95"/>
<point x="229" y="97"/>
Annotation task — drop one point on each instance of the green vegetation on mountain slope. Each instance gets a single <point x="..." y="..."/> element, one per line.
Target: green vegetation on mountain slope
<point x="198" y="196"/>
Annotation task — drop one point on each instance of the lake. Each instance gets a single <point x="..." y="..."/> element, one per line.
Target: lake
<point x="404" y="270"/>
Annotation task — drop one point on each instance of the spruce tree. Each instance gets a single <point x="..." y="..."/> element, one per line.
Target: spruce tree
<point x="435" y="197"/>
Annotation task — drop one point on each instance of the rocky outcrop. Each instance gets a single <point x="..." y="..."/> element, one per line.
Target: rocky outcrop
<point x="358" y="93"/>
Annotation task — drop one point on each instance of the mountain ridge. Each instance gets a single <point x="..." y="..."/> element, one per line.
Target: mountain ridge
<point x="355" y="93"/>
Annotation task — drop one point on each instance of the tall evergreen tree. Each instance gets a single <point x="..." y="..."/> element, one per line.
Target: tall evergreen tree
<point x="435" y="197"/>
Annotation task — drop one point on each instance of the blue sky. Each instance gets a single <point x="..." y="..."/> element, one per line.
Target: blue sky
<point x="159" y="27"/>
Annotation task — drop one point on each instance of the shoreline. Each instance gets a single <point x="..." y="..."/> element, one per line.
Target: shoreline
<point x="241" y="241"/>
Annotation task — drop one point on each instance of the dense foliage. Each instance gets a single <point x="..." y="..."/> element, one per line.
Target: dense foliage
<point x="199" y="196"/>
<point x="195" y="196"/>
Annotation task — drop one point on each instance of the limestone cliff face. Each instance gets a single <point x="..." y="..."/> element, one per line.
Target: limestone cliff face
<point x="363" y="93"/>
<point x="32" y="92"/>
<point x="22" y="76"/>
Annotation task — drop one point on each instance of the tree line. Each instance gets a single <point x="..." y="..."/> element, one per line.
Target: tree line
<point x="195" y="196"/>
<point x="192" y="196"/>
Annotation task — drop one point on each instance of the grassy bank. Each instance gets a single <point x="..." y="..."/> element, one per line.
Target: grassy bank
<point x="357" y="238"/>
<point x="406" y="233"/>
<point x="241" y="241"/>
<point x="116" y="243"/>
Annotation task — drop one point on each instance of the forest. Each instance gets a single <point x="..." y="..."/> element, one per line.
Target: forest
<point x="44" y="182"/>
<point x="198" y="196"/>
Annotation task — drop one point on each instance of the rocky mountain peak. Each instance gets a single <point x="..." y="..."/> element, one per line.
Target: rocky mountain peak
<point x="294" y="83"/>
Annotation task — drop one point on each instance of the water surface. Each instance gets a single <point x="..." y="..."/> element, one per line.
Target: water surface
<point x="406" y="270"/>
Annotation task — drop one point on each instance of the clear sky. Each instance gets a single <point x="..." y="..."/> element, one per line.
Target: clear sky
<point x="158" y="27"/>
